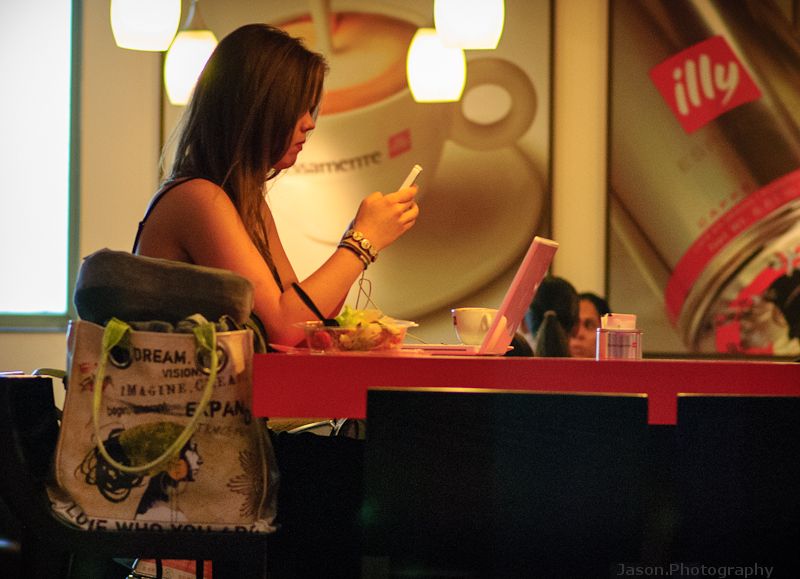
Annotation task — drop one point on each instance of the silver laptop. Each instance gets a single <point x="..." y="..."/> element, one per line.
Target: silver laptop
<point x="516" y="302"/>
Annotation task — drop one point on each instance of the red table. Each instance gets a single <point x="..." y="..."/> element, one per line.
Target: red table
<point x="314" y="385"/>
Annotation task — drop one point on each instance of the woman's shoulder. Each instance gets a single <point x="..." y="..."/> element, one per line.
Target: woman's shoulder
<point x="194" y="197"/>
<point x="193" y="218"/>
<point x="193" y="187"/>
<point x="183" y="207"/>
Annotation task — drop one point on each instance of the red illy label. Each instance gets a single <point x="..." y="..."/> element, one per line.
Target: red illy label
<point x="703" y="82"/>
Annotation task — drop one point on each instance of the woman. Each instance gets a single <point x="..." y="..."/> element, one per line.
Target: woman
<point x="253" y="108"/>
<point x="584" y="342"/>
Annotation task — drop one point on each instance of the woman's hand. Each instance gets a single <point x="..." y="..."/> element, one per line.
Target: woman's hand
<point x="384" y="218"/>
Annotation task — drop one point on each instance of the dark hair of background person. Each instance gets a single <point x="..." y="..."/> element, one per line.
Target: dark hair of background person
<point x="599" y="303"/>
<point x="551" y="339"/>
<point x="552" y="316"/>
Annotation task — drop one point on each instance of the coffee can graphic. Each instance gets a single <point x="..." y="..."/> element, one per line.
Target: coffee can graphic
<point x="705" y="164"/>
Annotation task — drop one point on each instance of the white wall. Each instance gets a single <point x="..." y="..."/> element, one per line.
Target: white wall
<point x="120" y="128"/>
<point x="119" y="132"/>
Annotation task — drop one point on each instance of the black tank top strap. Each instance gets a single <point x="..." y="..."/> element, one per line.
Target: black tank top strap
<point x="169" y="185"/>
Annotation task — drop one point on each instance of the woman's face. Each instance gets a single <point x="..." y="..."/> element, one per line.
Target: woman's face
<point x="304" y="125"/>
<point x="582" y="344"/>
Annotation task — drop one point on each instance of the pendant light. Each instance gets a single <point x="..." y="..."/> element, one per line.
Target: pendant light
<point x="145" y="24"/>
<point x="187" y="56"/>
<point x="470" y="24"/>
<point x="435" y="72"/>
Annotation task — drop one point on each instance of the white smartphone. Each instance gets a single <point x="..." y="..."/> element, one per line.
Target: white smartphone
<point x="412" y="176"/>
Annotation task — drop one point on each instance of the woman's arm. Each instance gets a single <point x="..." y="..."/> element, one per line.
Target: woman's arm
<point x="381" y="219"/>
<point x="198" y="223"/>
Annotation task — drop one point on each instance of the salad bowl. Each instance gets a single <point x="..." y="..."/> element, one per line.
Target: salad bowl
<point x="358" y="331"/>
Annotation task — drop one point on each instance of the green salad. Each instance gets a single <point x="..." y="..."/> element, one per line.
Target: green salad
<point x="361" y="330"/>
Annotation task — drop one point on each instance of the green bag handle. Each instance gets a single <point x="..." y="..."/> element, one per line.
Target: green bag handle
<point x="115" y="331"/>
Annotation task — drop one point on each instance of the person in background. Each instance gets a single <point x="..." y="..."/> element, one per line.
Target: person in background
<point x="592" y="307"/>
<point x="552" y="317"/>
<point x="253" y="108"/>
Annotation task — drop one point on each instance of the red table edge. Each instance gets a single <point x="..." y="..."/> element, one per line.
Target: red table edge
<point x="297" y="385"/>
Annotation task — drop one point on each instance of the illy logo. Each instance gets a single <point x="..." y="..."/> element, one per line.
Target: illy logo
<point x="703" y="82"/>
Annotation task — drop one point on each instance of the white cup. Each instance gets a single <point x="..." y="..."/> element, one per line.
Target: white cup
<point x="471" y="324"/>
<point x="370" y="131"/>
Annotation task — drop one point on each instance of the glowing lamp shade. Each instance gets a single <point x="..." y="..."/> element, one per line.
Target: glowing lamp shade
<point x="470" y="24"/>
<point x="185" y="61"/>
<point x="436" y="73"/>
<point x="145" y="24"/>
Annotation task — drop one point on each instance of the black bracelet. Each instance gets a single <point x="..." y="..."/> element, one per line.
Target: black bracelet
<point x="356" y="251"/>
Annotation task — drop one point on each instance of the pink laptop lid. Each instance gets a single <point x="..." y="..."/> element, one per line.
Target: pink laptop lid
<point x="519" y="296"/>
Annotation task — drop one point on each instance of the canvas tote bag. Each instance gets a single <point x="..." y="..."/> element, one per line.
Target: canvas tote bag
<point x="157" y="432"/>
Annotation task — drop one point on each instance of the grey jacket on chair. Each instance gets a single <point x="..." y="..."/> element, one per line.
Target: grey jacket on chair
<point x="133" y="287"/>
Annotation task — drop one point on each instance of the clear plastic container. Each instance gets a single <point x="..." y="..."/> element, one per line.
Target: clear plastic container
<point x="618" y="344"/>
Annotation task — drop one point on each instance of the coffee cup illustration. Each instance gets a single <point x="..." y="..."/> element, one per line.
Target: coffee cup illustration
<point x="370" y="131"/>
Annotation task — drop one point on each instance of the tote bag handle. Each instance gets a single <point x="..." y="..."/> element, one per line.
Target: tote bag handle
<point x="206" y="338"/>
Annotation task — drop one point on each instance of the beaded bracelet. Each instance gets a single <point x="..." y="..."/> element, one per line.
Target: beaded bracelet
<point x="361" y="241"/>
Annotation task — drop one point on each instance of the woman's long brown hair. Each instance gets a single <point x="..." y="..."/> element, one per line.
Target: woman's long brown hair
<point x="256" y="85"/>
